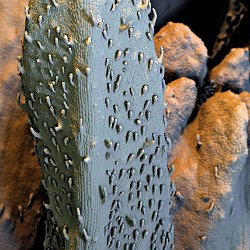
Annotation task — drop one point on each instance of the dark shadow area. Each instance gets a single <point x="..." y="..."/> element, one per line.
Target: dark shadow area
<point x="204" y="18"/>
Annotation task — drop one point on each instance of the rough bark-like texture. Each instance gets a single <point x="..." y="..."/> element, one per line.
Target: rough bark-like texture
<point x="184" y="53"/>
<point x="234" y="71"/>
<point x="20" y="174"/>
<point x="180" y="100"/>
<point x="211" y="208"/>
<point x="93" y="90"/>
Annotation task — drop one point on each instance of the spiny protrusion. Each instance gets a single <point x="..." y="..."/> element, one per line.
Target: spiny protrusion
<point x="132" y="92"/>
<point x="117" y="83"/>
<point x="151" y="158"/>
<point x="108" y="143"/>
<point x="179" y="196"/>
<point x="171" y="170"/>
<point x="70" y="43"/>
<point x="150" y="64"/>
<point x="126" y="52"/>
<point x="69" y="209"/>
<point x="44" y="184"/>
<point x="54" y="3"/>
<point x="48" y="7"/>
<point x="147" y="114"/>
<point x="35" y="134"/>
<point x="47" y="206"/>
<point x="115" y="190"/>
<point x="28" y="37"/>
<point x="149" y="35"/>
<point x="139" y="15"/>
<point x="123" y="25"/>
<point x="54" y="183"/>
<point x="140" y="56"/>
<point x="71" y="75"/>
<point x="64" y="87"/>
<point x="161" y="55"/>
<point x="26" y="11"/>
<point x="107" y="101"/>
<point x="40" y="45"/>
<point x="58" y="30"/>
<point x="154" y="216"/>
<point x="154" y="16"/>
<point x="198" y="141"/>
<point x="127" y="105"/>
<point x="119" y="128"/>
<point x="58" y="210"/>
<point x="146" y="104"/>
<point x="111" y="121"/>
<point x="63" y="113"/>
<point x="65" y="233"/>
<point x="110" y="43"/>
<point x="32" y="96"/>
<point x="88" y="40"/>
<point x="86" y="159"/>
<point x="20" y="67"/>
<point x="51" y="85"/>
<point x="130" y="221"/>
<point x="145" y="234"/>
<point x="130" y="157"/>
<point x="130" y="114"/>
<point x="106" y="61"/>
<point x="105" y="34"/>
<point x="66" y="39"/>
<point x="115" y="108"/>
<point x="135" y="136"/>
<point x="216" y="171"/>
<point x="78" y="73"/>
<point x="118" y="54"/>
<point x="80" y="219"/>
<point x="143" y="130"/>
<point x="49" y="33"/>
<point x="70" y="182"/>
<point x="29" y="203"/>
<point x="65" y="105"/>
<point x="137" y="121"/>
<point x="108" y="71"/>
<point x="40" y="19"/>
<point x="144" y="4"/>
<point x="50" y="59"/>
<point x="51" y="73"/>
<point x="154" y="99"/>
<point x="46" y="151"/>
<point x="65" y="59"/>
<point x="144" y="89"/>
<point x="130" y="31"/>
<point x="56" y="42"/>
<point x="211" y="207"/>
<point x="86" y="71"/>
<point x="122" y="173"/>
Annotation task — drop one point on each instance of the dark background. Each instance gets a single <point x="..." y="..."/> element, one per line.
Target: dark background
<point x="204" y="18"/>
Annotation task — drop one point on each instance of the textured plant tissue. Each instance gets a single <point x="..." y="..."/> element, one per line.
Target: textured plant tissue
<point x="93" y="88"/>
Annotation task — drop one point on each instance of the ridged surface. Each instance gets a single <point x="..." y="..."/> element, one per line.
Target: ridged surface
<point x="93" y="90"/>
<point x="21" y="208"/>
